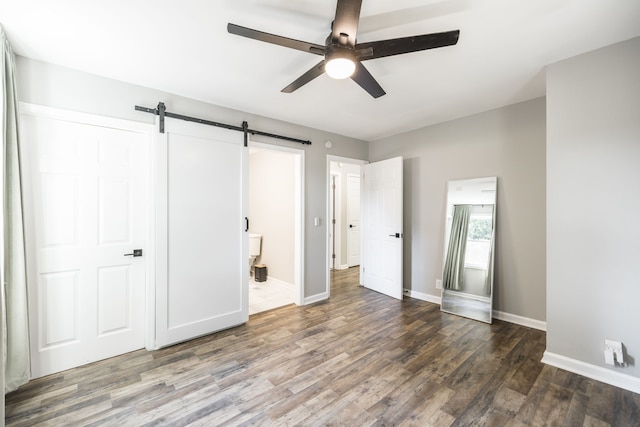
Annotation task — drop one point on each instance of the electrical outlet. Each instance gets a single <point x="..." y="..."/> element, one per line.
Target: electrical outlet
<point x="438" y="284"/>
<point x="613" y="348"/>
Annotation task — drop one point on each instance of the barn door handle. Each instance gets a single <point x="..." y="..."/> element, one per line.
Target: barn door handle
<point x="135" y="253"/>
<point x="246" y="224"/>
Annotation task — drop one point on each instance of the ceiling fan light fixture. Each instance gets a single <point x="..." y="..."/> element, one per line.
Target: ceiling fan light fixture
<point x="340" y="68"/>
<point x="340" y="63"/>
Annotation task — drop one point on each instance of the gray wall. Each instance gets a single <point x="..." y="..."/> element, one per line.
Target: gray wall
<point x="272" y="209"/>
<point x="593" y="204"/>
<point x="508" y="143"/>
<point x="47" y="84"/>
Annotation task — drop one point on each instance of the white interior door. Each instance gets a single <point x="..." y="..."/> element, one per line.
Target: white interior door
<point x="353" y="219"/>
<point x="86" y="205"/>
<point x="202" y="256"/>
<point x="382" y="227"/>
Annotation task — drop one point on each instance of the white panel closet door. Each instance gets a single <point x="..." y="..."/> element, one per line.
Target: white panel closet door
<point x="202" y="253"/>
<point x="86" y="205"/>
<point x="382" y="227"/>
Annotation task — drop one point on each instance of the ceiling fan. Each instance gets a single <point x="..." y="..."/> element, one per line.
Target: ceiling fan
<point x="342" y="54"/>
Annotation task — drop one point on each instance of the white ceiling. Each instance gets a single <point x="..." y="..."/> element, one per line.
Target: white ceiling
<point x="183" y="47"/>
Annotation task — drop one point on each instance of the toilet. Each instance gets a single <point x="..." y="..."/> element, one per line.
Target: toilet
<point x="254" y="248"/>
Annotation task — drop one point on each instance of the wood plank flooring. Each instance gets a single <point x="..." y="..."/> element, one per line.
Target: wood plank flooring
<point x="359" y="359"/>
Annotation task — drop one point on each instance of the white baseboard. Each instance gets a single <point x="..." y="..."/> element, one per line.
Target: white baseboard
<point x="279" y="282"/>
<point x="597" y="373"/>
<point x="315" y="298"/>
<point x="422" y="296"/>
<point x="500" y="315"/>
<point x="520" y="320"/>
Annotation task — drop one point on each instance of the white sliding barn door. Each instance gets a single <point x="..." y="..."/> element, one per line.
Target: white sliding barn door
<point x="86" y="207"/>
<point x="382" y="227"/>
<point x="202" y="255"/>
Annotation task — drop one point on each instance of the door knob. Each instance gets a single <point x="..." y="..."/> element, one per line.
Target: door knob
<point x="136" y="253"/>
<point x="397" y="235"/>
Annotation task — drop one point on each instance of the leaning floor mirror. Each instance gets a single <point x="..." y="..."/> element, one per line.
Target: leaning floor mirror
<point x="467" y="278"/>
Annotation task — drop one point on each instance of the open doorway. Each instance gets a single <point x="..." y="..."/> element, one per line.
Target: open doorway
<point x="275" y="226"/>
<point x="343" y="231"/>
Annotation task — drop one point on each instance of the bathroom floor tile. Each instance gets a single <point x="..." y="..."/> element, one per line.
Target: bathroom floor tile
<point x="268" y="295"/>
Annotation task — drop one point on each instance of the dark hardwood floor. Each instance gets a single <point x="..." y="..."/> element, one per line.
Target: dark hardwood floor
<point x="359" y="359"/>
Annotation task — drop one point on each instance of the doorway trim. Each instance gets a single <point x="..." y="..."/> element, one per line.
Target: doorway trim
<point x="335" y="205"/>
<point x="298" y="250"/>
<point x="350" y="245"/>
<point x="332" y="158"/>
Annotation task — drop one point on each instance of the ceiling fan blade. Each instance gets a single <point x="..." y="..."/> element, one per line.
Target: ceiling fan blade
<point x="314" y="72"/>
<point x="363" y="77"/>
<point x="346" y="21"/>
<point x="402" y="45"/>
<point x="274" y="39"/>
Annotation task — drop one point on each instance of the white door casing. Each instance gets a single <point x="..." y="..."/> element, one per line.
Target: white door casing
<point x="334" y="221"/>
<point x="382" y="227"/>
<point x="298" y="221"/>
<point x="86" y="203"/>
<point x="353" y="220"/>
<point x="331" y="159"/>
<point x="202" y="246"/>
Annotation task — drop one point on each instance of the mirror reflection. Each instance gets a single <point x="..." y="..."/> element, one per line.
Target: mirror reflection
<point x="467" y="278"/>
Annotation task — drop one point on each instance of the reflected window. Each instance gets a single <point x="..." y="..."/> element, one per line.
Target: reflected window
<point x="478" y="241"/>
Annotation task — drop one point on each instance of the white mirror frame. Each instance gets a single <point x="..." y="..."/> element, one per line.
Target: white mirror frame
<point x="479" y="192"/>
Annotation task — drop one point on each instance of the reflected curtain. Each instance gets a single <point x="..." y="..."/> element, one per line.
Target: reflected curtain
<point x="489" y="271"/>
<point x="488" y="275"/>
<point x="15" y="320"/>
<point x="454" y="262"/>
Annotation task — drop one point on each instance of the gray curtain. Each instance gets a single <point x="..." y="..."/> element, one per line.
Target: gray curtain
<point x="454" y="262"/>
<point x="15" y="321"/>
<point x="489" y="272"/>
<point x="488" y="275"/>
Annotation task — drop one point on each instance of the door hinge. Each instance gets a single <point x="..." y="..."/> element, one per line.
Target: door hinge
<point x="333" y="256"/>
